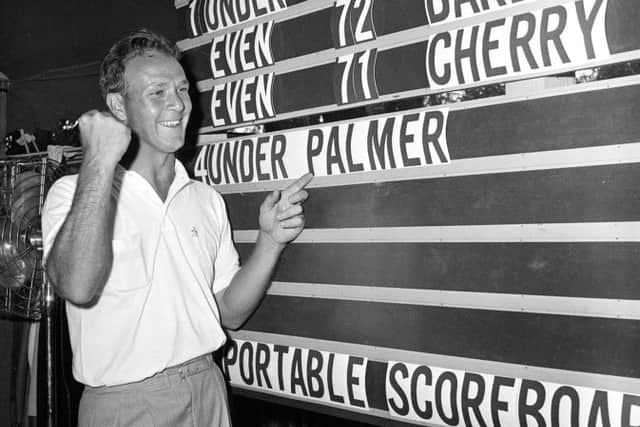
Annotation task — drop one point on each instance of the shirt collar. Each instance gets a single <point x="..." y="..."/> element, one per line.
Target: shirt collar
<point x="180" y="180"/>
<point x="124" y="178"/>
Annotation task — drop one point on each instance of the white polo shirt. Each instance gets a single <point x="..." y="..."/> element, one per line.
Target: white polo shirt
<point x="157" y="308"/>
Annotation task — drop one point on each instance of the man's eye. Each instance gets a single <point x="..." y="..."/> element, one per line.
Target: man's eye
<point x="158" y="92"/>
<point x="184" y="89"/>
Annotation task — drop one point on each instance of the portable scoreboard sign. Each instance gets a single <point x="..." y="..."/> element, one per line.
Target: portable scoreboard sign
<point x="420" y="393"/>
<point x="464" y="264"/>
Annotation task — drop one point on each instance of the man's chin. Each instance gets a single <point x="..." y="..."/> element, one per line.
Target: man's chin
<point x="173" y="142"/>
<point x="167" y="146"/>
<point x="174" y="146"/>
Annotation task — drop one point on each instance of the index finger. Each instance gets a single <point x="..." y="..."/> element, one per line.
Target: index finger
<point x="299" y="184"/>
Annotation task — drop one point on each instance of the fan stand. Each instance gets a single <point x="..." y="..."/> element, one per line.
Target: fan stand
<point x="47" y="337"/>
<point x="49" y="306"/>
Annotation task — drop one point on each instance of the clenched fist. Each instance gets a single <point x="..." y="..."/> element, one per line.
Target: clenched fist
<point x="104" y="138"/>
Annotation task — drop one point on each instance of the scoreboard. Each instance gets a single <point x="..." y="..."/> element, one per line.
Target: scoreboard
<point x="464" y="264"/>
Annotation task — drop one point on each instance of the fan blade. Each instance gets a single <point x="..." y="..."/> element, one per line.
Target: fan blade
<point x="25" y="206"/>
<point x="17" y="258"/>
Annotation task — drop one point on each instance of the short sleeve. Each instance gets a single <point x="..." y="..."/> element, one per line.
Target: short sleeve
<point x="227" y="261"/>
<point x="55" y="210"/>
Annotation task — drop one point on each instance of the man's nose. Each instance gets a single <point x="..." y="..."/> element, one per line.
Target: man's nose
<point x="175" y="102"/>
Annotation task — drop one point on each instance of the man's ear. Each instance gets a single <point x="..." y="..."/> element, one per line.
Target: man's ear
<point x="115" y="102"/>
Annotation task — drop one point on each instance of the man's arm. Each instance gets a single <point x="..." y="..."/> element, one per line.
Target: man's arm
<point x="281" y="220"/>
<point x="80" y="258"/>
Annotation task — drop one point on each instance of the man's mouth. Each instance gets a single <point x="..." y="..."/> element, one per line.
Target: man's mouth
<point x="170" y="123"/>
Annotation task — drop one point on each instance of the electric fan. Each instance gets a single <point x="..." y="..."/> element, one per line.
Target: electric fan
<point x="24" y="182"/>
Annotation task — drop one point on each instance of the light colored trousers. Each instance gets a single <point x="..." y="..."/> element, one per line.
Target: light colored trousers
<point x="189" y="395"/>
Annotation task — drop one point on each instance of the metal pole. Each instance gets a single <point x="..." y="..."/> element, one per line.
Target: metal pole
<point x="49" y="310"/>
<point x="4" y="89"/>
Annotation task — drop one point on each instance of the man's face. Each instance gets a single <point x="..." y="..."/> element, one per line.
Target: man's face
<point x="156" y="101"/>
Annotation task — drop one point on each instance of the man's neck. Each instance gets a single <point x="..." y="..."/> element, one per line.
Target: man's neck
<point x="158" y="170"/>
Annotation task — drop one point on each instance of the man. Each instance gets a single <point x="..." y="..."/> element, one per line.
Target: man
<point x="144" y="256"/>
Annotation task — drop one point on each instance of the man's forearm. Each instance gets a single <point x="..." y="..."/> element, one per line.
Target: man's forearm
<point x="80" y="259"/>
<point x="250" y="283"/>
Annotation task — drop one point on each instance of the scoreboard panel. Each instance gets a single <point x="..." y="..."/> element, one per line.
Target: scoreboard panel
<point x="252" y="76"/>
<point x="470" y="263"/>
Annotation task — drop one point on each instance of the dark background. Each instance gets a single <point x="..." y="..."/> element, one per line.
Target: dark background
<point x="51" y="51"/>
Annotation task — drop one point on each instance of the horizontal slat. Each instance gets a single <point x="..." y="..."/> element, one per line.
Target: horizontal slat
<point x="543" y="160"/>
<point x="377" y="353"/>
<point x="598" y="270"/>
<point x="587" y="344"/>
<point x="565" y="232"/>
<point x="588" y="194"/>
<point x="589" y="307"/>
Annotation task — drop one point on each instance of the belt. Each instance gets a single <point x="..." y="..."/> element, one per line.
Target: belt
<point x="190" y="367"/>
<point x="184" y="370"/>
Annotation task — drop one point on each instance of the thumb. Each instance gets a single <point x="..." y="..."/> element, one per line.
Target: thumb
<point x="270" y="201"/>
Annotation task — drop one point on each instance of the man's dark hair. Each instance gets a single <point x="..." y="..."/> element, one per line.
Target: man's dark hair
<point x="134" y="44"/>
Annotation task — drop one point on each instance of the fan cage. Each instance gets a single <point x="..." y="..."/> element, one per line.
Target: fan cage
<point x="24" y="182"/>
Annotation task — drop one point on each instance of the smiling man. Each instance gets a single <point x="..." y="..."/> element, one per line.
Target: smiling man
<point x="143" y="254"/>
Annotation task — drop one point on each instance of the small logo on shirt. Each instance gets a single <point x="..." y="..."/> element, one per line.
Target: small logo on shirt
<point x="194" y="232"/>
